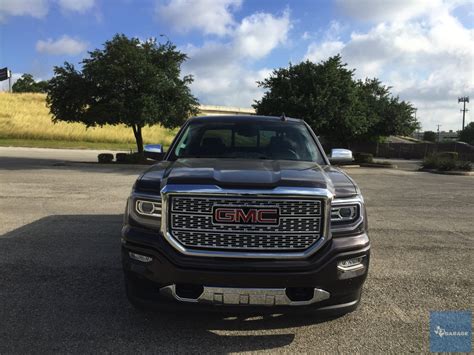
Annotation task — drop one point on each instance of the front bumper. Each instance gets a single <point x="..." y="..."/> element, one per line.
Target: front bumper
<point x="229" y="296"/>
<point x="169" y="268"/>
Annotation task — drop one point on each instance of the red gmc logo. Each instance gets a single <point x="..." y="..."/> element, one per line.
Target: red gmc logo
<point x="245" y="215"/>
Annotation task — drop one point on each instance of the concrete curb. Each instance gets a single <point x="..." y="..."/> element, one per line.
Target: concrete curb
<point x="95" y="163"/>
<point x="375" y="165"/>
<point x="348" y="166"/>
<point x="459" y="173"/>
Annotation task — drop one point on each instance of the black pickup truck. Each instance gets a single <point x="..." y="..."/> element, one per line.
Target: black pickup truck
<point x="245" y="211"/>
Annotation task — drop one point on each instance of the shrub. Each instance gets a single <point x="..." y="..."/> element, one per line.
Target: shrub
<point x="448" y="155"/>
<point x="105" y="158"/>
<point x="121" y="157"/>
<point x="446" y="164"/>
<point x="430" y="162"/>
<point x="131" y="158"/>
<point x="363" y="158"/>
<point x="464" y="165"/>
<point x="135" y="158"/>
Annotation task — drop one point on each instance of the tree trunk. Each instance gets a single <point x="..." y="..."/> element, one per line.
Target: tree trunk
<point x="137" y="132"/>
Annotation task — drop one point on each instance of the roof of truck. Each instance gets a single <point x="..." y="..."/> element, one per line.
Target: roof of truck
<point x="241" y="118"/>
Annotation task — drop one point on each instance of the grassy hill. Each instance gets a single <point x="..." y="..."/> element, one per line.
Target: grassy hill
<point x="25" y="121"/>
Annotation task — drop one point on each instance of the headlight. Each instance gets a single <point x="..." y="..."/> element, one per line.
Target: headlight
<point x="344" y="213"/>
<point x="145" y="210"/>
<point x="148" y="208"/>
<point x="347" y="216"/>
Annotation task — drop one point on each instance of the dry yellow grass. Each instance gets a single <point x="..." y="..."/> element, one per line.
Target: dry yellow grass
<point x="25" y="116"/>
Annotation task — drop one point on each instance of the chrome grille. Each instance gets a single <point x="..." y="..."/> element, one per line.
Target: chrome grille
<point x="204" y="223"/>
<point x="244" y="241"/>
<point x="204" y="205"/>
<point x="191" y="223"/>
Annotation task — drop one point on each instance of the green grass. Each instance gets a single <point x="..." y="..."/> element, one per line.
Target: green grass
<point x="25" y="119"/>
<point x="61" y="144"/>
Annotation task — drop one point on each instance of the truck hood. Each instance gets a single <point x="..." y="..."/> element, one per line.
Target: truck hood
<point x="245" y="173"/>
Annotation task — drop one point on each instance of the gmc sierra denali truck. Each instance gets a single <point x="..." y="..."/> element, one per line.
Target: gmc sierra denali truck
<point x="245" y="211"/>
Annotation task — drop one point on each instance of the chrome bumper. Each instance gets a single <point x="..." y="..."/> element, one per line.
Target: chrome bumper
<point x="245" y="296"/>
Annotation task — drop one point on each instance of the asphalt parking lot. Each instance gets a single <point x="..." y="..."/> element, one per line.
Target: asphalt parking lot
<point x="61" y="287"/>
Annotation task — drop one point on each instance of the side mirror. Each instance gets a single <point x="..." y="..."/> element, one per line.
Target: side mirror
<point x="154" y="151"/>
<point x="340" y="155"/>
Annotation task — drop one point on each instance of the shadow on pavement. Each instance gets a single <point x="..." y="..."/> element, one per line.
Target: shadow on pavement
<point x="61" y="290"/>
<point x="16" y="164"/>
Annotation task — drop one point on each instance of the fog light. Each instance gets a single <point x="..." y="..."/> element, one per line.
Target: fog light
<point x="350" y="264"/>
<point x="140" y="257"/>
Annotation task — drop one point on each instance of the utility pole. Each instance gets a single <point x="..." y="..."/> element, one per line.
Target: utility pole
<point x="463" y="99"/>
<point x="438" y="132"/>
<point x="418" y="131"/>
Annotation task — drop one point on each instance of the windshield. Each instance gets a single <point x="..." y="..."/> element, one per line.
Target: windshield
<point x="248" y="140"/>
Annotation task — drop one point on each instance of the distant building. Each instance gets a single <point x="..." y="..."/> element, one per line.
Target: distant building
<point x="444" y="136"/>
<point x="400" y="139"/>
<point x="211" y="110"/>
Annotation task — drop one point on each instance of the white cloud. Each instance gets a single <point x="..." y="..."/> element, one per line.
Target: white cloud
<point x="427" y="58"/>
<point x="260" y="33"/>
<point x="76" y="5"/>
<point x="320" y="51"/>
<point x="329" y="46"/>
<point x="40" y="8"/>
<point x="232" y="85"/>
<point x="224" y="72"/>
<point x="389" y="10"/>
<point x="208" y="16"/>
<point x="306" y="35"/>
<point x="34" y="8"/>
<point x="219" y="76"/>
<point x="63" y="46"/>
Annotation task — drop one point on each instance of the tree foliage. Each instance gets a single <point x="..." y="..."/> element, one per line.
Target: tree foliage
<point x="430" y="136"/>
<point x="127" y="82"/>
<point x="334" y="104"/>
<point x="467" y="134"/>
<point x="26" y="83"/>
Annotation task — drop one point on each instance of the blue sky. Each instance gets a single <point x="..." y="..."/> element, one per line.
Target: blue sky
<point x="423" y="49"/>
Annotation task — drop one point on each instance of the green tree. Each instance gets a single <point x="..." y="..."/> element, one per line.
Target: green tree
<point x="127" y="82"/>
<point x="388" y="115"/>
<point x="467" y="134"/>
<point x="26" y="83"/>
<point x="430" y="136"/>
<point x="338" y="107"/>
<point x="324" y="95"/>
